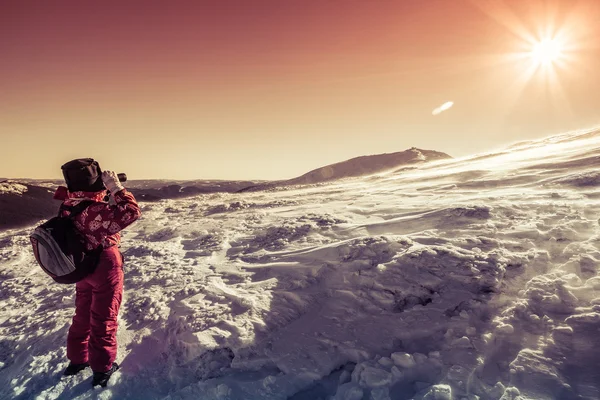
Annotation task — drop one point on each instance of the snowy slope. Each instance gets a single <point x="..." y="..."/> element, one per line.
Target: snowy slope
<point x="473" y="278"/>
<point x="367" y="165"/>
<point x="22" y="204"/>
<point x="355" y="167"/>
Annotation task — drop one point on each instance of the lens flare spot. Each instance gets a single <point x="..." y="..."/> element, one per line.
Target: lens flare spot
<point x="443" y="107"/>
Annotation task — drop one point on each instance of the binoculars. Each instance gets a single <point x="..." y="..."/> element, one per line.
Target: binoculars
<point x="122" y="178"/>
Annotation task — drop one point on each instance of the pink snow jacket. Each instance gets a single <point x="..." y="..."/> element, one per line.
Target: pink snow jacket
<point x="100" y="223"/>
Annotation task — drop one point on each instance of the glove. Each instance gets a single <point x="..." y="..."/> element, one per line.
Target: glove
<point x="111" y="181"/>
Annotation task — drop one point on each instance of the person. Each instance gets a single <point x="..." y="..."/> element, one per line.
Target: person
<point x="92" y="337"/>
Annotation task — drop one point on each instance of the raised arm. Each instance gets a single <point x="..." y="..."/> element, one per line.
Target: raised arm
<point x="104" y="219"/>
<point x="122" y="214"/>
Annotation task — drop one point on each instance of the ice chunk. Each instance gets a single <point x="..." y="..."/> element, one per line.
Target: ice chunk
<point x="497" y="391"/>
<point x="349" y="391"/>
<point x="507" y="329"/>
<point x="397" y="374"/>
<point x="462" y="342"/>
<point x="434" y="354"/>
<point x="345" y="377"/>
<point x="223" y="391"/>
<point x="586" y="318"/>
<point x="380" y="394"/>
<point x="403" y="360"/>
<point x="439" y="392"/>
<point x="420" y="358"/>
<point x="371" y="377"/>
<point x="386" y="361"/>
<point x="511" y="393"/>
<point x="269" y="380"/>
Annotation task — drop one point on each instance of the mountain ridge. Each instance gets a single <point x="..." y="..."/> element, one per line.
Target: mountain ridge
<point x="356" y="167"/>
<point x="33" y="200"/>
<point x="370" y="164"/>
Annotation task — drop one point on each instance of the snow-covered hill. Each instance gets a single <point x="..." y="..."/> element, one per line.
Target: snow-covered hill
<point x="22" y="203"/>
<point x="19" y="208"/>
<point x="358" y="166"/>
<point x="472" y="278"/>
<point x="367" y="165"/>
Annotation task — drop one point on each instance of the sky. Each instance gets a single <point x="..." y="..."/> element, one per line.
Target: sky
<point x="270" y="89"/>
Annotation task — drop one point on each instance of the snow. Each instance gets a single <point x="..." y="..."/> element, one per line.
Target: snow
<point x="9" y="187"/>
<point x="472" y="278"/>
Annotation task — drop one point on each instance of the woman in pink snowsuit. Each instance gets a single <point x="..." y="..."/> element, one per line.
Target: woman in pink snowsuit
<point x="92" y="338"/>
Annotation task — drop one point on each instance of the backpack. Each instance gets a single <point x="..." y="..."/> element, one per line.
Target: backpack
<point x="59" y="247"/>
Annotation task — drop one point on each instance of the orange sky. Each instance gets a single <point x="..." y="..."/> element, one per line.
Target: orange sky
<point x="272" y="89"/>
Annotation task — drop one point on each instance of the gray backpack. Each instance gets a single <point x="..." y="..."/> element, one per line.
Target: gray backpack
<point x="59" y="247"/>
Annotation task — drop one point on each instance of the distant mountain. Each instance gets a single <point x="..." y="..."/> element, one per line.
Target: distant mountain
<point x="367" y="165"/>
<point x="359" y="166"/>
<point x="24" y="202"/>
<point x="151" y="190"/>
<point x="158" y="189"/>
<point x="27" y="201"/>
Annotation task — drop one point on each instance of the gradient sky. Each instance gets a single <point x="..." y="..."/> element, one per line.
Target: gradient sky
<point x="257" y="89"/>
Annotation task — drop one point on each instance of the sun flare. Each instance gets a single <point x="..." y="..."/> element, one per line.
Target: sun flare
<point x="546" y="52"/>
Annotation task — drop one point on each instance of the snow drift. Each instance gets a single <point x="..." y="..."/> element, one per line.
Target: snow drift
<point x="472" y="278"/>
<point x="23" y="204"/>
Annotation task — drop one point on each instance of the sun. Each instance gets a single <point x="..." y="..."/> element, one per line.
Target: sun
<point x="546" y="52"/>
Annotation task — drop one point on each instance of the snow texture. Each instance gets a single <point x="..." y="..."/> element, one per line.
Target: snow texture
<point x="10" y="187"/>
<point x="23" y="204"/>
<point x="472" y="278"/>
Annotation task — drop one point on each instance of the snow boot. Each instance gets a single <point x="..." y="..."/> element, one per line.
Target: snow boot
<point x="74" y="369"/>
<point x="101" y="378"/>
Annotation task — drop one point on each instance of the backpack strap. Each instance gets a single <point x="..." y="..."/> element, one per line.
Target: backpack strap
<point x="76" y="209"/>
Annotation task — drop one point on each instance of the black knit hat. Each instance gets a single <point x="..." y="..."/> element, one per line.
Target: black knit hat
<point x="83" y="175"/>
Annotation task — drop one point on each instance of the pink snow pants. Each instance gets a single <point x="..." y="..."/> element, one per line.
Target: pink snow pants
<point x="93" y="335"/>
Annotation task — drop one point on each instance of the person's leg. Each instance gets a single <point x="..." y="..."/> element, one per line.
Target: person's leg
<point x="79" y="332"/>
<point x="106" y="300"/>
